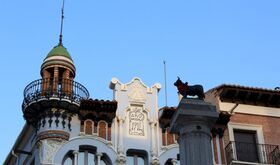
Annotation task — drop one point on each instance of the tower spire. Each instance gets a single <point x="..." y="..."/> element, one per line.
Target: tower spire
<point x="61" y="23"/>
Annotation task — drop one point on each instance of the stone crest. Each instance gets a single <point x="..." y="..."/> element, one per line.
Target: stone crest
<point x="136" y="122"/>
<point x="137" y="94"/>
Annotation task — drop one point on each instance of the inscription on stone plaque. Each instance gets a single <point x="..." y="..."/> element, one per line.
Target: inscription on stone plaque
<point x="136" y="122"/>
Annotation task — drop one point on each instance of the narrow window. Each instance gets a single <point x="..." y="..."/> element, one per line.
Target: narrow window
<point x="102" y="129"/>
<point x="170" y="137"/>
<point x="88" y="127"/>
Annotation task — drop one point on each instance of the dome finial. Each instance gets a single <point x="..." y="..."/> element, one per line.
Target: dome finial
<point x="61" y="24"/>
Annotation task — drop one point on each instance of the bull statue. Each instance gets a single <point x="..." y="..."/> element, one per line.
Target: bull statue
<point x="189" y="90"/>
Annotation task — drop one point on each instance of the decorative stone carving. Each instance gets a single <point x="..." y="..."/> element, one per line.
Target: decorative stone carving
<point x="137" y="94"/>
<point x="136" y="122"/>
<point x="155" y="161"/>
<point x="121" y="159"/>
<point x="48" y="150"/>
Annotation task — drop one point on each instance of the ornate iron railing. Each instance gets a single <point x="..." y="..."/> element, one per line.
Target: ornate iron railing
<point x="54" y="88"/>
<point x="252" y="152"/>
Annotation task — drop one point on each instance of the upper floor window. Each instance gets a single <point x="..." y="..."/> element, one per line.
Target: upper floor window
<point x="246" y="145"/>
<point x="86" y="156"/>
<point x="88" y="127"/>
<point x="101" y="129"/>
<point x="136" y="157"/>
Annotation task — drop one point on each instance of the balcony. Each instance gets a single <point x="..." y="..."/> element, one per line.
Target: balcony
<point x="54" y="89"/>
<point x="251" y="153"/>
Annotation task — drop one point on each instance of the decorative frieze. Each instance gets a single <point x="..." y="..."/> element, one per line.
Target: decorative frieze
<point x="53" y="134"/>
<point x="54" y="119"/>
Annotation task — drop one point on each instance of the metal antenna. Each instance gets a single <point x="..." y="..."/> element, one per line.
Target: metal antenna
<point x="61" y="23"/>
<point x="164" y="64"/>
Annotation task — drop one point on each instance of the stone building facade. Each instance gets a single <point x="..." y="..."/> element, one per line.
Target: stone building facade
<point x="65" y="126"/>
<point x="252" y="134"/>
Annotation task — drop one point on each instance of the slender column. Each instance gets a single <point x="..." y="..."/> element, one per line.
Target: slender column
<point x="153" y="148"/>
<point x="99" y="155"/>
<point x="86" y="158"/>
<point x="76" y="153"/>
<point x="120" y="147"/>
<point x="55" y="79"/>
<point x="218" y="150"/>
<point x="154" y="153"/>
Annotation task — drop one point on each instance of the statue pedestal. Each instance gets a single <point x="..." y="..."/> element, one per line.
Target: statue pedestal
<point x="193" y="121"/>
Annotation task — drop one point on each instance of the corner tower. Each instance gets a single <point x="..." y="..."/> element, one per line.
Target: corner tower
<point x="56" y="94"/>
<point x="51" y="103"/>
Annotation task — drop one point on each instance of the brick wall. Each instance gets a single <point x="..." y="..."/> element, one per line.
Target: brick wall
<point x="270" y="125"/>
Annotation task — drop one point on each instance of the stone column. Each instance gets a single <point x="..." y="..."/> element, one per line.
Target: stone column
<point x="75" y="157"/>
<point x="153" y="148"/>
<point x="99" y="155"/>
<point x="120" y="147"/>
<point x="193" y="120"/>
<point x="155" y="159"/>
<point x="55" y="79"/>
<point x="121" y="159"/>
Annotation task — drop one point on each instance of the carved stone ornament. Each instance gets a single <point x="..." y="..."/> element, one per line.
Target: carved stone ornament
<point x="155" y="161"/>
<point x="48" y="150"/>
<point x="121" y="159"/>
<point x="136" y="122"/>
<point x="137" y="93"/>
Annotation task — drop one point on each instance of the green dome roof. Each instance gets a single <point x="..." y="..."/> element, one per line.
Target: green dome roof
<point x="59" y="50"/>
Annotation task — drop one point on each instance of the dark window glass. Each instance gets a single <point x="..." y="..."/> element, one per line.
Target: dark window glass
<point x="246" y="146"/>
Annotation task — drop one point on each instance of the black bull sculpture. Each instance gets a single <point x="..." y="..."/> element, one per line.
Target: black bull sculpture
<point x="189" y="90"/>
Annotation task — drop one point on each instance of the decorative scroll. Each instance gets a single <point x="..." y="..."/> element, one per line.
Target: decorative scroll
<point x="136" y="122"/>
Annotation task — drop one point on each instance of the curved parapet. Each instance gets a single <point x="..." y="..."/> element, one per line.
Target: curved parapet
<point x="48" y="93"/>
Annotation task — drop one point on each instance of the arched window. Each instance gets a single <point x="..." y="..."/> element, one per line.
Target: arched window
<point x="136" y="157"/>
<point x="68" y="159"/>
<point x="102" y="129"/>
<point x="88" y="127"/>
<point x="86" y="156"/>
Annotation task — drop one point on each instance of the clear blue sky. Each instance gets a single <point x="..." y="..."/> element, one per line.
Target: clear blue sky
<point x="209" y="42"/>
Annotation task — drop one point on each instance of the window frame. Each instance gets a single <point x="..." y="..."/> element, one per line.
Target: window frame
<point x="86" y="150"/>
<point x="136" y="154"/>
<point x="250" y="128"/>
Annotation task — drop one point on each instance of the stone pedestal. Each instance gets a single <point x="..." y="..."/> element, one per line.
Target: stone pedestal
<point x="193" y="121"/>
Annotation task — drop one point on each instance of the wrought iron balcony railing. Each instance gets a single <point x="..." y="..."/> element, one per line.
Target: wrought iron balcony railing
<point x="54" y="88"/>
<point x="251" y="152"/>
